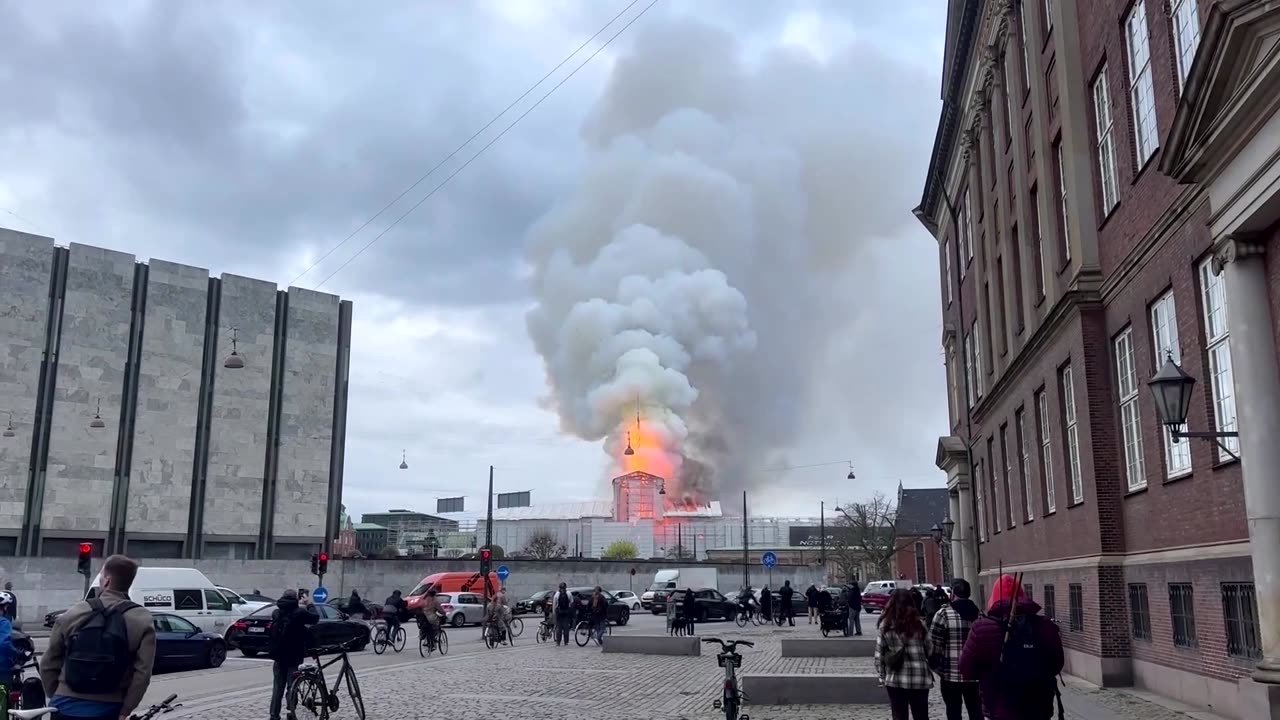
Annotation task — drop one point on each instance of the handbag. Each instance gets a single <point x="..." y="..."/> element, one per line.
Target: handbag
<point x="895" y="657"/>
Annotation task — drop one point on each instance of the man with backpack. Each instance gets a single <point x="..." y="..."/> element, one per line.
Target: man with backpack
<point x="1015" y="654"/>
<point x="290" y="639"/>
<point x="949" y="632"/>
<point x="562" y="601"/>
<point x="98" y="665"/>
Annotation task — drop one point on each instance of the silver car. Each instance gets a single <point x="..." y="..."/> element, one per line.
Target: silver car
<point x="631" y="599"/>
<point x="462" y="608"/>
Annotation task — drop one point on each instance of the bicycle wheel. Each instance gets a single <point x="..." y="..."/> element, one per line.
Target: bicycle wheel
<point x="353" y="689"/>
<point x="306" y="694"/>
<point x="442" y="642"/>
<point x="582" y="633"/>
<point x="540" y="634"/>
<point x="489" y="640"/>
<point x="517" y="627"/>
<point x="741" y="620"/>
<point x="423" y="648"/>
<point x="380" y="642"/>
<point x="511" y="636"/>
<point x="401" y="638"/>
<point x="731" y="709"/>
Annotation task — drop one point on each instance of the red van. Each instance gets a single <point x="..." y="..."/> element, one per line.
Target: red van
<point x="452" y="582"/>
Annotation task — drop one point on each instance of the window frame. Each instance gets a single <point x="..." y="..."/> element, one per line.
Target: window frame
<point x="1242" y="618"/>
<point x="970" y="370"/>
<point x="977" y="358"/>
<point x="1182" y="615"/>
<point x="1165" y="341"/>
<point x="966" y="243"/>
<point x="1139" y="612"/>
<point x="1050" y="606"/>
<point x="1130" y="410"/>
<point x="1184" y="53"/>
<point x="1075" y="607"/>
<point x="1037" y="217"/>
<point x="1217" y="346"/>
<point x="1104" y="126"/>
<point x="922" y="563"/>
<point x="983" y="533"/>
<point x="946" y="265"/>
<point x="1071" y="433"/>
<point x="1026" y="51"/>
<point x="1024" y="459"/>
<point x="1063" y="201"/>
<point x="1010" y="517"/>
<point x="995" y="485"/>
<point x="1142" y="93"/>
<point x="1046" y="451"/>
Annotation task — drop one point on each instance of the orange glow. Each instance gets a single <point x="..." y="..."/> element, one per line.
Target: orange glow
<point x="651" y="454"/>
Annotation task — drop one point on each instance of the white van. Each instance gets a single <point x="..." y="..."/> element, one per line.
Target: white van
<point x="185" y="592"/>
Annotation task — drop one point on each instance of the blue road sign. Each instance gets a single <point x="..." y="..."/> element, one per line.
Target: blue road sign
<point x="320" y="594"/>
<point x="503" y="573"/>
<point x="768" y="559"/>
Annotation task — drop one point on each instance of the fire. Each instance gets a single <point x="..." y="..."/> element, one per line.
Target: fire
<point x="651" y="453"/>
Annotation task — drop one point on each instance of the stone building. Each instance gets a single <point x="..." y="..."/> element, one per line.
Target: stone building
<point x="1105" y="192"/>
<point x="126" y="425"/>
<point x="918" y="557"/>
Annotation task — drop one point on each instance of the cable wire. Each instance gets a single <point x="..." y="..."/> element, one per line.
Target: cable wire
<point x="468" y="141"/>
<point x="488" y="145"/>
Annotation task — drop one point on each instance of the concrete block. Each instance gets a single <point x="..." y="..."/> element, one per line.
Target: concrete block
<point x="652" y="645"/>
<point x="828" y="647"/>
<point x="813" y="689"/>
<point x="1259" y="700"/>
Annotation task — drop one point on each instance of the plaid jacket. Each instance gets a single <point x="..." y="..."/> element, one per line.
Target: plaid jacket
<point x="948" y="633"/>
<point x="914" y="673"/>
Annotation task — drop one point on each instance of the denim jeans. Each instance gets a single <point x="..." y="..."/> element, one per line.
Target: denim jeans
<point x="855" y="622"/>
<point x="280" y="680"/>
<point x="599" y="629"/>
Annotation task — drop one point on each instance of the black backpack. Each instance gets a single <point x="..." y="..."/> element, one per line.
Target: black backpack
<point x="98" y="653"/>
<point x="1025" y="672"/>
<point x="562" y="601"/>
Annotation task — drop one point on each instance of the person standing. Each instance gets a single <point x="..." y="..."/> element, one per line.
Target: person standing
<point x="949" y="632"/>
<point x="290" y="639"/>
<point x="766" y="604"/>
<point x="933" y="602"/>
<point x="786" y="594"/>
<point x="598" y="611"/>
<point x="689" y="609"/>
<point x="902" y="657"/>
<point x="563" y="604"/>
<point x="98" y="665"/>
<point x="811" y="600"/>
<point x="855" y="608"/>
<point x="1015" y="654"/>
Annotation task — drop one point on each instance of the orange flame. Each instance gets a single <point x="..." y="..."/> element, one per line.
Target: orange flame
<point x="651" y="455"/>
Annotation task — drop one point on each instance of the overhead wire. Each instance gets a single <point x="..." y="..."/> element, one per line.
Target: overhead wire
<point x="487" y="145"/>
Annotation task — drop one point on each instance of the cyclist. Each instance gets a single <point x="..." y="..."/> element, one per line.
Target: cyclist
<point x="392" y="608"/>
<point x="746" y="601"/>
<point x="498" y="617"/>
<point x="598" y="612"/>
<point x="8" y="652"/>
<point x="429" y="618"/>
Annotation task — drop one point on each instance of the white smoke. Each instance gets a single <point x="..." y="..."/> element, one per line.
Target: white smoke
<point x="692" y="266"/>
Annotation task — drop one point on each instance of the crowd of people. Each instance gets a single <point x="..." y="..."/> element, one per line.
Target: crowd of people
<point x="1002" y="664"/>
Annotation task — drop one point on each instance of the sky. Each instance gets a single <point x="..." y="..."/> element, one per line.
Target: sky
<point x="775" y="148"/>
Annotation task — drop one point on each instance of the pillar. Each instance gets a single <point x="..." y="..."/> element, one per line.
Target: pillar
<point x="954" y="545"/>
<point x="966" y="535"/>
<point x="1257" y="388"/>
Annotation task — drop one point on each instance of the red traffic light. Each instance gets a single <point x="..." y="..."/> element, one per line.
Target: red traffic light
<point x="486" y="554"/>
<point x="86" y="548"/>
<point x="324" y="557"/>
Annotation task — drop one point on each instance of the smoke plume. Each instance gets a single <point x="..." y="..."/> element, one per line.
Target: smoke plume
<point x="691" y="273"/>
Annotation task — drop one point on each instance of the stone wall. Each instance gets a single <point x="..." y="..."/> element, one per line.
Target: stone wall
<point x="45" y="584"/>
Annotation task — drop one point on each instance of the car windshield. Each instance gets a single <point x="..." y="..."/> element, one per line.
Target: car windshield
<point x="230" y="595"/>
<point x="267" y="610"/>
<point x="419" y="589"/>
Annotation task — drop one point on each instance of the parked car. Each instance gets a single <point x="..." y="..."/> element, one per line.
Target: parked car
<point x="619" y="612"/>
<point x="243" y="604"/>
<point x="533" y="604"/>
<point x="250" y="634"/>
<point x="181" y="645"/>
<point x="711" y="604"/>
<point x="873" y="601"/>
<point x="631" y="599"/>
<point x="462" y="608"/>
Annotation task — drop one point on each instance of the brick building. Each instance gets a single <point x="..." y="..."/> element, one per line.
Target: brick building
<point x="919" y="557"/>
<point x="1104" y="186"/>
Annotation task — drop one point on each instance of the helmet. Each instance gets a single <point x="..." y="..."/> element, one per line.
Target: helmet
<point x="6" y="598"/>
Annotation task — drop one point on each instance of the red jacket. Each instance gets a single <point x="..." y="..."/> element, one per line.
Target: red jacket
<point x="980" y="659"/>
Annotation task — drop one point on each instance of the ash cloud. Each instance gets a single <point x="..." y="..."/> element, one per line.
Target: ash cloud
<point x="698" y="262"/>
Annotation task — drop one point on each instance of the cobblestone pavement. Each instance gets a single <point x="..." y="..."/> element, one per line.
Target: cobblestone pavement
<point x="540" y="681"/>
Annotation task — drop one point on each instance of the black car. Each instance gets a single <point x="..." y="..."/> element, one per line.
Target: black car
<point x="181" y="645"/>
<point x="533" y="604"/>
<point x="251" y="633"/>
<point x="711" y="605"/>
<point x="619" y="612"/>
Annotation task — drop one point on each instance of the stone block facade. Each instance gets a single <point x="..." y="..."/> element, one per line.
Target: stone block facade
<point x="193" y="459"/>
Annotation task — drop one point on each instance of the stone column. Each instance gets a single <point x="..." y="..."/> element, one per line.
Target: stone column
<point x="967" y="534"/>
<point x="954" y="550"/>
<point x="1257" y="391"/>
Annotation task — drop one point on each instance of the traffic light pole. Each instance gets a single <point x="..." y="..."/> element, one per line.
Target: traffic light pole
<point x="488" y="541"/>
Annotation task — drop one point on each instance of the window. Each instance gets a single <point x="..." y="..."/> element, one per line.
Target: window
<point x="1046" y="451"/>
<point x="977" y="359"/>
<point x="1048" y="14"/>
<point x="1182" y="611"/>
<point x="1164" y="333"/>
<point x="214" y="600"/>
<point x="989" y="340"/>
<point x="1139" y="612"/>
<point x="982" y="508"/>
<point x="1072" y="435"/>
<point x="920" y="574"/>
<point x="1050" y="610"/>
<point x="1024" y="459"/>
<point x="966" y="229"/>
<point x="946" y="267"/>
<point x="1106" y="143"/>
<point x="1219" y="349"/>
<point x="1141" y="88"/>
<point x="1240" y="611"/>
<point x="1130" y="413"/>
<point x="1000" y="301"/>
<point x="1062" y="202"/>
<point x="970" y="358"/>
<point x="189" y="600"/>
<point x="174" y="624"/>
<point x="1008" y="101"/>
<point x="1186" y="36"/>
<point x="1075" y="605"/>
<point x="1008" y="475"/>
<point x="1037" y="236"/>
<point x="995" y="484"/>
<point x="953" y="392"/>
<point x="1026" y="53"/>
<point x="1029" y="591"/>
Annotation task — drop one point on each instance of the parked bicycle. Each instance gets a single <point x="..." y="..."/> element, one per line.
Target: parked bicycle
<point x="47" y="712"/>
<point x="733" y="698"/>
<point x="545" y="630"/>
<point x="584" y="633"/>
<point x="309" y="691"/>
<point x="382" y="638"/>
<point x="427" y="645"/>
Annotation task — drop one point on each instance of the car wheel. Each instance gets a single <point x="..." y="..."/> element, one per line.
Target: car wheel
<point x="458" y="620"/>
<point x="635" y="606"/>
<point x="624" y="617"/>
<point x="217" y="654"/>
<point x="249" y="653"/>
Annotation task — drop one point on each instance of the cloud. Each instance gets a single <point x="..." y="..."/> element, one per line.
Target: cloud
<point x="249" y="138"/>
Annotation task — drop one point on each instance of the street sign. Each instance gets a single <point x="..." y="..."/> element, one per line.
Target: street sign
<point x="503" y="573"/>
<point x="320" y="594"/>
<point x="768" y="560"/>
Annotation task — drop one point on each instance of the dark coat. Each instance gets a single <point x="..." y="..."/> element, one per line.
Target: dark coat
<point x="290" y="645"/>
<point x="981" y="659"/>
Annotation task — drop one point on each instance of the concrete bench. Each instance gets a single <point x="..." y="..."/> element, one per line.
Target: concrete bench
<point x="828" y="647"/>
<point x="652" y="644"/>
<point x="813" y="689"/>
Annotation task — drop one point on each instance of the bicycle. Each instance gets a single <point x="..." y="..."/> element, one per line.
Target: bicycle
<point x="545" y="630"/>
<point x="745" y="615"/>
<point x="729" y="659"/>
<point x="516" y="626"/>
<point x="308" y="689"/>
<point x="584" y="633"/>
<point x="381" y="638"/>
<point x="158" y="709"/>
<point x="496" y="634"/>
<point x="426" y="647"/>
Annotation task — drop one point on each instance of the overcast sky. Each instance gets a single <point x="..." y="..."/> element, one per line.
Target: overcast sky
<point x="254" y="137"/>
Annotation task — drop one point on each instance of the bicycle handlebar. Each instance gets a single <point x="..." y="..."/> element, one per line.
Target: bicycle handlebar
<point x="728" y="645"/>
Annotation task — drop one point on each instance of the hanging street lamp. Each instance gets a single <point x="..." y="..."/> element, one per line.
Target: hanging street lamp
<point x="851" y="475"/>
<point x="404" y="460"/>
<point x="8" y="430"/>
<point x="1171" y="389"/>
<point x="97" y="421"/>
<point x="234" y="361"/>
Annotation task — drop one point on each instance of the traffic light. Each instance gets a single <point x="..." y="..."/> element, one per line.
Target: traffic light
<point x="315" y="564"/>
<point x="323" y="564"/>
<point x="82" y="565"/>
<point x="485" y="556"/>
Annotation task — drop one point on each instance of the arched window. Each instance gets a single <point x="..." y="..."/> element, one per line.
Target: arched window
<point x="920" y="574"/>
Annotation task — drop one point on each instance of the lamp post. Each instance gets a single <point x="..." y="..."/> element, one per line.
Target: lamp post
<point x="1171" y="389"/>
<point x="942" y="538"/>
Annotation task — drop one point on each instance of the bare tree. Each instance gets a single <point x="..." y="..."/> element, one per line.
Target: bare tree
<point x="543" y="545"/>
<point x="869" y="534"/>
